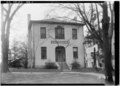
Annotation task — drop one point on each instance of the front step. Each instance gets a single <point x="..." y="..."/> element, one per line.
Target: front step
<point x="66" y="70"/>
<point x="63" y="66"/>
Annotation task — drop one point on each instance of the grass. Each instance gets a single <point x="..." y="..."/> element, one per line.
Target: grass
<point x="55" y="70"/>
<point x="89" y="70"/>
<point x="55" y="77"/>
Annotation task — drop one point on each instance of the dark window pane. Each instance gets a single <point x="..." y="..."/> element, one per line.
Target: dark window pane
<point x="43" y="32"/>
<point x="43" y="53"/>
<point x="59" y="32"/>
<point x="74" y="33"/>
<point x="75" y="52"/>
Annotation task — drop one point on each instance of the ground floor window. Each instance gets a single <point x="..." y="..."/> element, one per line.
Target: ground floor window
<point x="43" y="53"/>
<point x="75" y="52"/>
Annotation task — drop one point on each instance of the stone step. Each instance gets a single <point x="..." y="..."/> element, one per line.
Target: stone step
<point x="66" y="70"/>
<point x="64" y="66"/>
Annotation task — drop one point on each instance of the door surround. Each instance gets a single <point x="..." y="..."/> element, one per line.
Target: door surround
<point x="60" y="54"/>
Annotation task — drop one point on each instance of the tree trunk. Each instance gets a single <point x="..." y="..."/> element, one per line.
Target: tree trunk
<point x="4" y="56"/>
<point x="5" y="46"/>
<point x="5" y="32"/>
<point x="107" y="56"/>
<point x="107" y="45"/>
<point x="94" y="58"/>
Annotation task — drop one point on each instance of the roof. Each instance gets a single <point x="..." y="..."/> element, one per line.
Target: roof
<point x="56" y="21"/>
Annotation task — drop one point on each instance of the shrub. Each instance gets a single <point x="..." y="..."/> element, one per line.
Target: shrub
<point x="50" y="65"/>
<point x="19" y="63"/>
<point x="75" y="65"/>
<point x="15" y="64"/>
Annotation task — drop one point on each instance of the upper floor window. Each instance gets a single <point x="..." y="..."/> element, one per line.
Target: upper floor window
<point x="43" y="32"/>
<point x="59" y="32"/>
<point x="75" y="52"/>
<point x="74" y="33"/>
<point x="43" y="53"/>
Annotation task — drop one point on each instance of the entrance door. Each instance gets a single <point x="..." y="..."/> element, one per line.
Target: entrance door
<point x="60" y="54"/>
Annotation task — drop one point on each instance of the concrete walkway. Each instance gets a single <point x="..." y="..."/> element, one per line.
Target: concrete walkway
<point x="52" y="77"/>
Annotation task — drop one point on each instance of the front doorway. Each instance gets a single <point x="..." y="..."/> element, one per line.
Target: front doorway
<point x="60" y="54"/>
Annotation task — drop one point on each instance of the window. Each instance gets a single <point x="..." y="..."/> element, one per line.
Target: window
<point x="74" y="33"/>
<point x="75" y="52"/>
<point x="59" y="32"/>
<point x="43" y="53"/>
<point x="43" y="32"/>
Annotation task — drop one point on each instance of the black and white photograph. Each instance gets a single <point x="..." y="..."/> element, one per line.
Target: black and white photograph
<point x="64" y="42"/>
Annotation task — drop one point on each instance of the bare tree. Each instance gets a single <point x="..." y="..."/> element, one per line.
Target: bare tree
<point x="101" y="31"/>
<point x="8" y="14"/>
<point x="87" y="16"/>
<point x="107" y="36"/>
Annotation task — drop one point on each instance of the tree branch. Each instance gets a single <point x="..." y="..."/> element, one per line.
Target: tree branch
<point x="98" y="21"/>
<point x="14" y="12"/>
<point x="91" y="26"/>
<point x="65" y="17"/>
<point x="93" y="33"/>
<point x="101" y="4"/>
<point x="84" y="12"/>
<point x="6" y="18"/>
<point x="68" y="7"/>
<point x="91" y="13"/>
<point x="110" y="31"/>
<point x="77" y="9"/>
<point x="4" y="9"/>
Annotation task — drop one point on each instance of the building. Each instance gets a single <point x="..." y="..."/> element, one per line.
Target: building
<point x="55" y="40"/>
<point x="89" y="58"/>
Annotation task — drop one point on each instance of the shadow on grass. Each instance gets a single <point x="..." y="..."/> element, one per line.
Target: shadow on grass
<point x="33" y="70"/>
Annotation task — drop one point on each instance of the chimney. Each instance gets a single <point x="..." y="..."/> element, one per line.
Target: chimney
<point x="29" y="17"/>
<point x="75" y="18"/>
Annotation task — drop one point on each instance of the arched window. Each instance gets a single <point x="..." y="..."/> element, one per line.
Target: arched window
<point x="59" y="32"/>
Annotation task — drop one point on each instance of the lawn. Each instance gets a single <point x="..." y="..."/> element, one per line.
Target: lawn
<point x="49" y="77"/>
<point x="89" y="70"/>
<point x="55" y="70"/>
